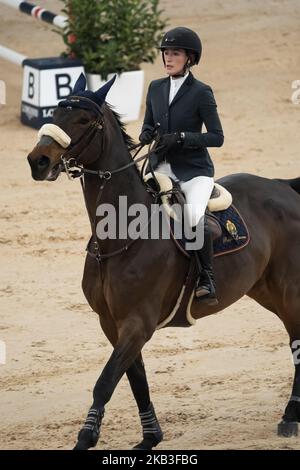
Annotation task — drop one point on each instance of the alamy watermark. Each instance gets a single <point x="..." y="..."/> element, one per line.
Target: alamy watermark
<point x="2" y="352"/>
<point x="295" y="346"/>
<point x="123" y="222"/>
<point x="2" y="92"/>
<point x="295" y="98"/>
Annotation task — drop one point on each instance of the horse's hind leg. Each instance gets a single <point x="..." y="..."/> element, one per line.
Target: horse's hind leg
<point x="288" y="427"/>
<point x="287" y="307"/>
<point x="152" y="433"/>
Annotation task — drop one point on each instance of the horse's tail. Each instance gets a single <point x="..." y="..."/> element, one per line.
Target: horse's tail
<point x="294" y="183"/>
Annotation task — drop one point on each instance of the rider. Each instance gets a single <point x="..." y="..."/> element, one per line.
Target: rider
<point x="182" y="104"/>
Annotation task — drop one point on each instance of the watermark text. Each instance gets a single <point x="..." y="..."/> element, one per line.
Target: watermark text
<point x="123" y="221"/>
<point x="296" y="351"/>
<point x="2" y="92"/>
<point x="295" y="98"/>
<point x="2" y="352"/>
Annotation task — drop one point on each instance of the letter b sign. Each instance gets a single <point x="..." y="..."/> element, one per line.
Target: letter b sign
<point x="63" y="88"/>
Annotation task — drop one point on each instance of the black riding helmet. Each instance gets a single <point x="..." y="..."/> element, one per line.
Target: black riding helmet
<point x="182" y="38"/>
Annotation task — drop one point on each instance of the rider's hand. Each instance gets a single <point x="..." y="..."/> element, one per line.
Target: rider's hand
<point x="168" y="142"/>
<point x="146" y="137"/>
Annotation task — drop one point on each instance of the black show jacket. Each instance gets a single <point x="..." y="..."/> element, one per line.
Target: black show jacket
<point x="193" y="105"/>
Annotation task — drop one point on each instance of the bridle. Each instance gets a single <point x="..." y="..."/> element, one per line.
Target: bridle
<point x="70" y="158"/>
<point x="73" y="168"/>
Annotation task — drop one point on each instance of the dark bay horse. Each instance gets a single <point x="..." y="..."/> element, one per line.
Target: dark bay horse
<point x="134" y="286"/>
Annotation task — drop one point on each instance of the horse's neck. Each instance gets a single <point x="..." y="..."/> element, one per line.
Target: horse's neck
<point x="126" y="184"/>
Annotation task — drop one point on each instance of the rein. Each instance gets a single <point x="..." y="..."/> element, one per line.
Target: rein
<point x="70" y="161"/>
<point x="79" y="170"/>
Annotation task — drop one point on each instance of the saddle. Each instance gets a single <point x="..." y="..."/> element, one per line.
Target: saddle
<point x="220" y="199"/>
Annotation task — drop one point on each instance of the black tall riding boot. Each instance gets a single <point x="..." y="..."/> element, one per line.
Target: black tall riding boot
<point x="206" y="288"/>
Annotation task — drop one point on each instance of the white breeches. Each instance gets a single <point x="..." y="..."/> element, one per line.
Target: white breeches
<point x="197" y="192"/>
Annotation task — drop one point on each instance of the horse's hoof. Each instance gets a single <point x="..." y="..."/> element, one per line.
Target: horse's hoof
<point x="287" y="429"/>
<point x="86" y="439"/>
<point x="80" y="446"/>
<point x="151" y="441"/>
<point x="85" y="445"/>
<point x="89" y="435"/>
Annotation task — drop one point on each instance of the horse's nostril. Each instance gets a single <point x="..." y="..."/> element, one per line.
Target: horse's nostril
<point x="43" y="162"/>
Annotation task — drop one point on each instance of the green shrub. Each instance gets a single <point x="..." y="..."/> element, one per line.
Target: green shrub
<point x="112" y="35"/>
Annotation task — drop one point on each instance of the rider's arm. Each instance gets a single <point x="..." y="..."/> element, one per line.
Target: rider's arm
<point x="209" y="115"/>
<point x="148" y="124"/>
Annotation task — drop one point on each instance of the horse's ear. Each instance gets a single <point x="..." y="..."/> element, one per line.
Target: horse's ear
<point x="80" y="84"/>
<point x="102" y="92"/>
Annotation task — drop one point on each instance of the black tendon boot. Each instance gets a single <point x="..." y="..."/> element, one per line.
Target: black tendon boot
<point x="206" y="287"/>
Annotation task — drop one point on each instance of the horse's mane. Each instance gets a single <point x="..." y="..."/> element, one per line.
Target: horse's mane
<point x="127" y="139"/>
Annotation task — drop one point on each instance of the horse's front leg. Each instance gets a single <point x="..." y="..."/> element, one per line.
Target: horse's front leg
<point x="132" y="338"/>
<point x="152" y="433"/>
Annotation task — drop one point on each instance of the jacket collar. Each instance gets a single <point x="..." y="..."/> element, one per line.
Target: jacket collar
<point x="182" y="90"/>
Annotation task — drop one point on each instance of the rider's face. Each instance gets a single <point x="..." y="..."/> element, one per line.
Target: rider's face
<point x="175" y="60"/>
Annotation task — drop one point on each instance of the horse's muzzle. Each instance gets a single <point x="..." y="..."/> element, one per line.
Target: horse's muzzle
<point x="41" y="168"/>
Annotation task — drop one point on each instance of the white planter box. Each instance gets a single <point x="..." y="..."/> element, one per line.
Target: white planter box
<point x="126" y="93"/>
